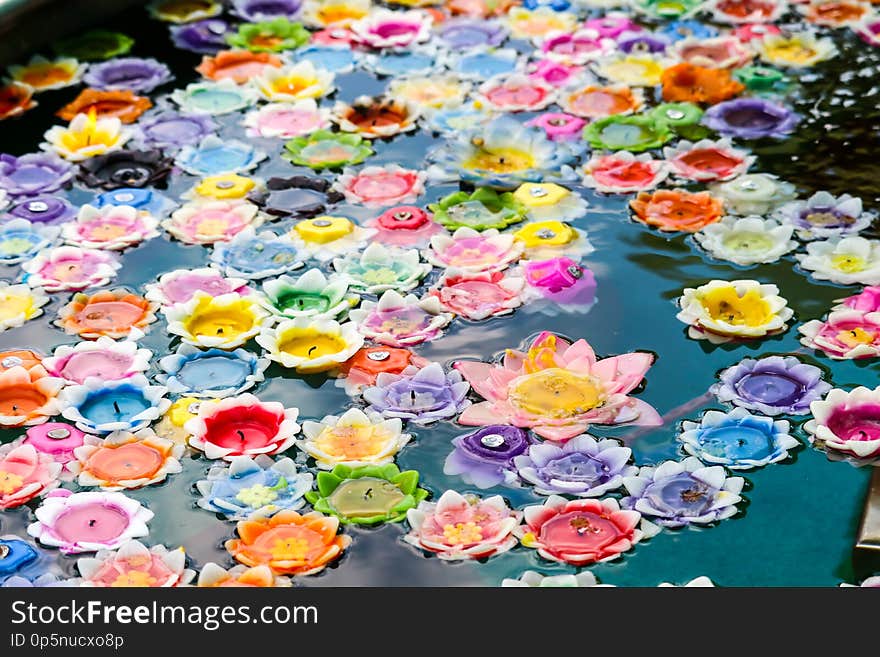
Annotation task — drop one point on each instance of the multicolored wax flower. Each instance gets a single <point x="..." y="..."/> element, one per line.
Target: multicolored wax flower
<point x="135" y="565"/>
<point x="401" y="321"/>
<point x="309" y="345"/>
<point x="845" y="334"/>
<point x="354" y="439"/>
<point x="125" y="460"/>
<point x="846" y="423"/>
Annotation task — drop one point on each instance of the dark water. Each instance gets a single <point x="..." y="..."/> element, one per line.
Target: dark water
<point x="799" y="523"/>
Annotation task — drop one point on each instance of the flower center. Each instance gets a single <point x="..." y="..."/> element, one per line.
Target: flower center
<point x="848" y="263"/>
<point x="724" y="305"/>
<point x="556" y="393"/>
<point x="463" y="533"/>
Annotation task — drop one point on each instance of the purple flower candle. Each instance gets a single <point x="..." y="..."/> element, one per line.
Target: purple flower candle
<point x="750" y="118"/>
<point x="134" y="73"/>
<point x="205" y="37"/>
<point x="32" y="174"/>
<point x="42" y="209"/>
<point x="484" y="458"/>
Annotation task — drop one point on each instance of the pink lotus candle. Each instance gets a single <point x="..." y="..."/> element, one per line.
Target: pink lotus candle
<point x="104" y="359"/>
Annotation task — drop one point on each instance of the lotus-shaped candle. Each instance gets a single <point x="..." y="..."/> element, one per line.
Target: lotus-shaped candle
<point x="481" y="210"/>
<point x="334" y="13"/>
<point x="28" y="396"/>
<point x="287" y="120"/>
<point x="578" y="47"/>
<point x="311" y="295"/>
<point x="479" y="296"/>
<point x="144" y="200"/>
<point x="460" y="527"/>
<point x="595" y="102"/>
<point x="737" y="439"/>
<point x="824" y="215"/>
<point x="719" y="52"/>
<point x="404" y="226"/>
<point x="254" y="488"/>
<point x="170" y="131"/>
<point x="86" y="136"/>
<point x="213" y="373"/>
<point x="549" y="201"/>
<point x="112" y="227"/>
<point x="323" y="149"/>
<point x="689" y="83"/>
<point x="398" y="321"/>
<point x="126" y="169"/>
<point x="25" y="474"/>
<point x="680" y="493"/>
<point x="180" y="285"/>
<point x="552" y="239"/>
<point x="557" y="284"/>
<point x="503" y="153"/>
<point x="361" y="370"/>
<point x="515" y="92"/>
<point x="70" y="268"/>
<point x="353" y="439"/>
<point x="539" y="23"/>
<point x="237" y="65"/>
<point x="253" y="255"/>
<point x="553" y="73"/>
<point x="259" y="10"/>
<point x="798" y="50"/>
<point x="55" y="439"/>
<point x="583" y="467"/>
<point x="429" y="92"/>
<point x="214" y="156"/>
<point x="289" y="543"/>
<point x="751" y="118"/>
<point x="472" y="251"/>
<point x="135" y="565"/>
<point x="375" y="117"/>
<point x="848" y="260"/>
<point x="746" y="11"/>
<point x="676" y="210"/>
<point x="225" y="322"/>
<point x="214" y="576"/>
<point x="20" y="240"/>
<point x="747" y="240"/>
<point x="581" y="532"/>
<point x="276" y="35"/>
<point x="707" y="160"/>
<point x="125" y="460"/>
<point x="42" y="74"/>
<point x="392" y="29"/>
<point x="485" y="457"/>
<point x="310" y="345"/>
<point x="753" y="193"/>
<point x="558" y="389"/>
<point x="773" y="385"/>
<point x="15" y="99"/>
<point x="421" y="396"/>
<point x="32" y="174"/>
<point x="559" y="126"/>
<point x="533" y="579"/>
<point x="103" y="407"/>
<point x="103" y="358"/>
<point x="623" y="173"/>
<point x="19" y="303"/>
<point x="868" y="300"/>
<point x="289" y="84"/>
<point x="627" y="133"/>
<point x="242" y="426"/>
<point x="214" y="98"/>
<point x="221" y="187"/>
<point x="184" y="11"/>
<point x="381" y="186"/>
<point x="216" y="221"/>
<point x="368" y="495"/>
<point x="88" y="522"/>
<point x="844" y="334"/>
<point x="378" y="269"/>
<point x="847" y="423"/>
<point x="112" y="313"/>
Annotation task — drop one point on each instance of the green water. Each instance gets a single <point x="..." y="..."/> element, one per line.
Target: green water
<point x="801" y="517"/>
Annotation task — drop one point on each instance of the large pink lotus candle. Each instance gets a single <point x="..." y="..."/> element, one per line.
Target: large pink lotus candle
<point x="24" y="474"/>
<point x="242" y="425"/>
<point x="88" y="522"/>
<point x="104" y="359"/>
<point x="135" y="565"/>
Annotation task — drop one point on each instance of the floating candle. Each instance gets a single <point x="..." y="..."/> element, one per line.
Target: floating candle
<point x="105" y="406"/>
<point x="126" y="460"/>
<point x="225" y="322"/>
<point x="104" y="358"/>
<point x="213" y="373"/>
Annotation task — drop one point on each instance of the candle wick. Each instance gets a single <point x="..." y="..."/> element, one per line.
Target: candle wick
<point x="311" y="349"/>
<point x="92" y="522"/>
<point x="368" y="493"/>
<point x="219" y="330"/>
<point x="116" y="408"/>
<point x="240" y="434"/>
<point x="14" y="407"/>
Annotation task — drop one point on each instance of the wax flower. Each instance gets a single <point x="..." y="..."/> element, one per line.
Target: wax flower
<point x="19" y="303"/>
<point x="325" y="237"/>
<point x="21" y="240"/>
<point x="546" y="201"/>
<point x="103" y="358"/>
<point x="86" y="136"/>
<point x="254" y="488"/>
<point x="751" y="118"/>
<point x="179" y="285"/>
<point x="582" y="532"/>
<point x="144" y="200"/>
<point x="135" y="565"/>
<point x="376" y="117"/>
<point x="323" y="149"/>
<point x="868" y="300"/>
<point x="56" y="440"/>
<point x="421" y="396"/>
<point x="552" y="239"/>
<point x="578" y="47"/>
<point x="533" y="579"/>
<point x="287" y="120"/>
<point x="128" y="73"/>
<point x="847" y="260"/>
<point x="289" y="84"/>
<point x="746" y="11"/>
<point x="214" y="576"/>
<point x="225" y="321"/>
<point x="460" y="527"/>
<point x="707" y="160"/>
<point x="214" y="98"/>
<point x="214" y="221"/>
<point x="381" y="186"/>
<point x="689" y="83"/>
<point x="184" y="11"/>
<point x="334" y="13"/>
<point x="112" y="313"/>
<point x="237" y="65"/>
<point x="28" y="396"/>
<point x="126" y="169"/>
<point x="559" y="126"/>
<point x="310" y="345"/>
<point x="102" y="407"/>
<point x="222" y="187"/>
<point x="310" y="295"/>
<point x="747" y="240"/>
<point x="276" y="35"/>
<point x="25" y="474"/>
<point x="184" y="409"/>
<point x="404" y="226"/>
<point x="635" y="70"/>
<point x="125" y="460"/>
<point x="379" y="268"/>
<point x="824" y="215"/>
<point x="597" y="102"/>
<point x="33" y="174"/>
<point x="846" y="422"/>
<point x="844" y="334"/>
<point x="583" y="467"/>
<point x="484" y="62"/>
<point x="392" y="29"/>
<point x="478" y="296"/>
<point x="627" y="133"/>
<point x="213" y="373"/>
<point x="469" y="250"/>
<point x="514" y="92"/>
<point x="111" y="228"/>
<point x="737" y="439"/>
<point x="797" y="50"/>
<point x="676" y="210"/>
<point x="623" y="173"/>
<point x="354" y="439"/>
<point x="289" y="543"/>
<point x="71" y="268"/>
<point x="753" y="193"/>
<point x="258" y="10"/>
<point x="15" y="99"/>
<point x="836" y="13"/>
<point x="367" y="495"/>
<point x="42" y="74"/>
<point x="554" y="73"/>
<point x="205" y="37"/>
<point x="88" y="522"/>
<point x="399" y="321"/>
<point x="557" y="284"/>
<point x="361" y="370"/>
<point x="242" y="426"/>
<point x="719" y="52"/>
<point x="251" y="255"/>
<point x="482" y="209"/>
<point x="485" y="458"/>
<point x="681" y="493"/>
<point x="214" y="156"/>
<point x="773" y="385"/>
<point x="539" y="23"/>
<point x="557" y="389"/>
